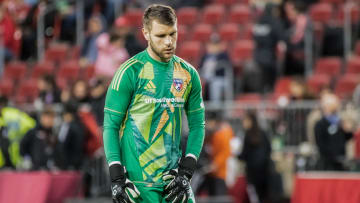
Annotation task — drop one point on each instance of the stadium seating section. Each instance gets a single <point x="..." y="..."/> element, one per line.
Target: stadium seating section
<point x="231" y="19"/>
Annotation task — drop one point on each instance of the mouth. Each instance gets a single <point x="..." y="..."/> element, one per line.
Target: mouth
<point x="169" y="51"/>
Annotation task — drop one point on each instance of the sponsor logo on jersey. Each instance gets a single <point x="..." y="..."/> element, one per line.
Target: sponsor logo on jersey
<point x="178" y="84"/>
<point x="167" y="102"/>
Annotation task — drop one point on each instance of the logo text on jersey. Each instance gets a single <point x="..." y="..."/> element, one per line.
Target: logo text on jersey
<point x="178" y="84"/>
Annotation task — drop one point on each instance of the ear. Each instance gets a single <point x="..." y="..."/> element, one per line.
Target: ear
<point x="146" y="33"/>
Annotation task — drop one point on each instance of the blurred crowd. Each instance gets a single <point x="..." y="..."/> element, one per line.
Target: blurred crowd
<point x="61" y="128"/>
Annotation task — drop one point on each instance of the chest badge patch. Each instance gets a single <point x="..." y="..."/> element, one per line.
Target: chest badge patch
<point x="178" y="84"/>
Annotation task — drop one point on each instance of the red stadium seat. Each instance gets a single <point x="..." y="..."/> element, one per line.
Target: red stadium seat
<point x="229" y="32"/>
<point x="354" y="14"/>
<point x="321" y="12"/>
<point x="187" y="15"/>
<point x="346" y="85"/>
<point x="330" y="66"/>
<point x="88" y="72"/>
<point x="135" y="17"/>
<point x="245" y="100"/>
<point x="318" y="33"/>
<point x="15" y="70"/>
<point x="75" y="52"/>
<point x="316" y="83"/>
<point x="240" y="14"/>
<point x="332" y="1"/>
<point x="62" y="83"/>
<point x="202" y="32"/>
<point x="42" y="68"/>
<point x="242" y="51"/>
<point x="69" y="71"/>
<point x="353" y="65"/>
<point x="140" y="36"/>
<point x="253" y="98"/>
<point x="6" y="87"/>
<point x="357" y="48"/>
<point x="282" y="86"/>
<point x="27" y="91"/>
<point x="246" y="32"/>
<point x="57" y="52"/>
<point x="182" y="33"/>
<point x="191" y="51"/>
<point x="213" y="14"/>
<point x="226" y="2"/>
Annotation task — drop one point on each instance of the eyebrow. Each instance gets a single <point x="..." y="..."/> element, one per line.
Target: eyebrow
<point x="162" y="35"/>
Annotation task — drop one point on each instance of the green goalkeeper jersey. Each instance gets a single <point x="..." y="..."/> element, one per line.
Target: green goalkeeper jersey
<point x="143" y="110"/>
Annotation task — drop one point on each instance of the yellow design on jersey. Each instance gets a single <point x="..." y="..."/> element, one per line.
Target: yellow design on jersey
<point x="156" y="149"/>
<point x="164" y="118"/>
<point x="119" y="71"/>
<point x="147" y="72"/>
<point x="184" y="75"/>
<point x="122" y="73"/>
<point x="154" y="166"/>
<point x="142" y="113"/>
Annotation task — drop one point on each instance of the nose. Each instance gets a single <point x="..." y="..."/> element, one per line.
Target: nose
<point x="168" y="40"/>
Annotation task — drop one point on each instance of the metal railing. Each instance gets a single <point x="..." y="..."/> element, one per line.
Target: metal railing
<point x="2" y="55"/>
<point x="44" y="9"/>
<point x="286" y="122"/>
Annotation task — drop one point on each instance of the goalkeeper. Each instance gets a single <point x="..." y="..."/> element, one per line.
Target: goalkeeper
<point x="143" y="115"/>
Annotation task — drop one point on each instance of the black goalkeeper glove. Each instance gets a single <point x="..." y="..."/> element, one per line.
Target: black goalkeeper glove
<point x="178" y="190"/>
<point x="122" y="189"/>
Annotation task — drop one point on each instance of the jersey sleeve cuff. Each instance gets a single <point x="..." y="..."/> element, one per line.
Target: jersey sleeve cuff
<point x="191" y="155"/>
<point x="114" y="162"/>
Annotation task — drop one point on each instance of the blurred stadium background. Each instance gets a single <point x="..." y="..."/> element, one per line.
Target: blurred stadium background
<point x="276" y="59"/>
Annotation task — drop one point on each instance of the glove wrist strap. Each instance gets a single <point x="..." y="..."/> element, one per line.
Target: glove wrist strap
<point x="187" y="167"/>
<point x="117" y="173"/>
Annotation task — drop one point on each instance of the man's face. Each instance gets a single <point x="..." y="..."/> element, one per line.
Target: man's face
<point x="161" y="40"/>
<point x="47" y="121"/>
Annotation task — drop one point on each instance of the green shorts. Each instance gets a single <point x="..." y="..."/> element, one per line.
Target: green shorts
<point x="154" y="194"/>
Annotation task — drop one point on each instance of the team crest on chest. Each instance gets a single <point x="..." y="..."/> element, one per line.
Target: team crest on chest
<point x="178" y="84"/>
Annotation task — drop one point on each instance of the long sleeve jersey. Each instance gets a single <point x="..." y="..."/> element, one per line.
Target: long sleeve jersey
<point x="143" y="110"/>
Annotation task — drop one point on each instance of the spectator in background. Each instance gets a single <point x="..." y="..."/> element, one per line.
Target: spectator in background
<point x="78" y="95"/>
<point x="7" y="32"/>
<point x="217" y="144"/>
<point x="48" y="90"/>
<point x="256" y="154"/>
<point x="38" y="144"/>
<point x="17" y="124"/>
<point x="5" y="161"/>
<point x="67" y="14"/>
<point x="70" y="141"/>
<point x="111" y="53"/>
<point x="123" y="27"/>
<point x="18" y="9"/>
<point x="295" y="40"/>
<point x="89" y="52"/>
<point x="103" y="7"/>
<point x="97" y="99"/>
<point x="299" y="90"/>
<point x="29" y="29"/>
<point x="215" y="67"/>
<point x="332" y="133"/>
<point x="267" y="32"/>
<point x="356" y="95"/>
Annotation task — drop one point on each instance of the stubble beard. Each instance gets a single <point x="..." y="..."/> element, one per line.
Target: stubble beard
<point x="158" y="53"/>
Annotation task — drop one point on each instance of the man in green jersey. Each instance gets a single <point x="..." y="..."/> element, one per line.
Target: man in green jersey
<point x="142" y="121"/>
